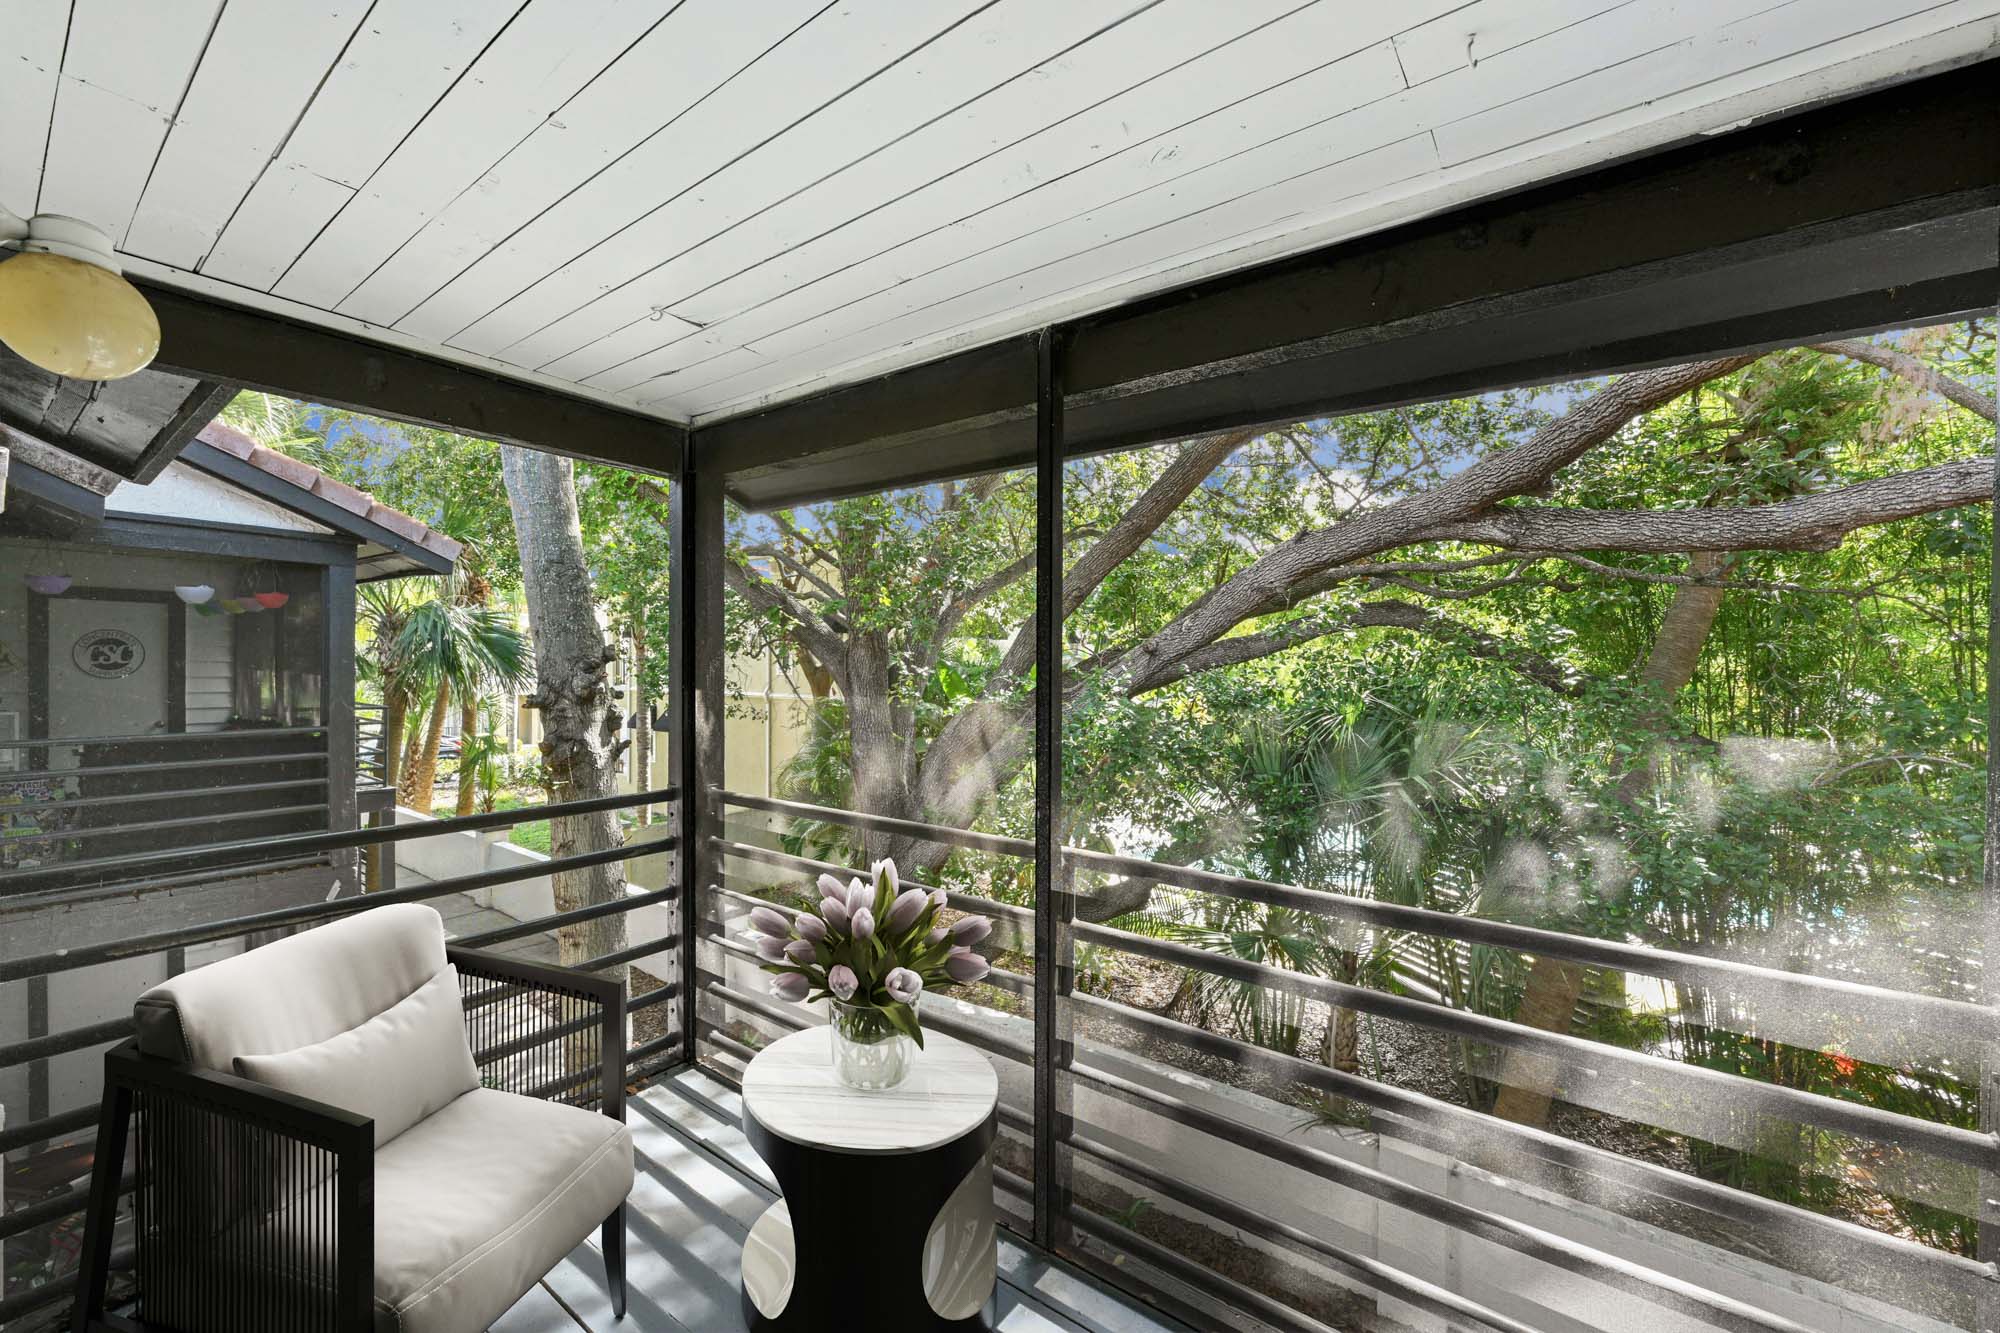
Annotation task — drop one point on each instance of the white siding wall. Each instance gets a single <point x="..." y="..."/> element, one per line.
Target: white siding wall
<point x="211" y="692"/>
<point x="210" y="696"/>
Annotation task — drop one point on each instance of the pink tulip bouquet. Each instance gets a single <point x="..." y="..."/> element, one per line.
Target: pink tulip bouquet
<point x="873" y="948"/>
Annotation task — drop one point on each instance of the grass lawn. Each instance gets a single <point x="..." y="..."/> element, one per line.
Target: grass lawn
<point x="534" y="835"/>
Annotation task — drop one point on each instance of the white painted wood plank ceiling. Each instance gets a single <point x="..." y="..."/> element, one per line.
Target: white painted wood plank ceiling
<point x="694" y="208"/>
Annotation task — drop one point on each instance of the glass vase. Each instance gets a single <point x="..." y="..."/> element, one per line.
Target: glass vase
<point x="868" y="1052"/>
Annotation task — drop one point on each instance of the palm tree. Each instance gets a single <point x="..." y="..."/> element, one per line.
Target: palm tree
<point x="447" y="646"/>
<point x="382" y="613"/>
<point x="1367" y="801"/>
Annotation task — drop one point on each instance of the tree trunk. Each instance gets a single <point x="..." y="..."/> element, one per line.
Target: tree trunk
<point x="413" y="746"/>
<point x="395" y="707"/>
<point x="468" y="778"/>
<point x="1675" y="655"/>
<point x="421" y="789"/>
<point x="642" y="730"/>
<point x="1343" y="1030"/>
<point x="1555" y="987"/>
<point x="579" y="710"/>
<point x="395" y="715"/>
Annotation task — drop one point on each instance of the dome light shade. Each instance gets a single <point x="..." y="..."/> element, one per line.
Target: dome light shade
<point x="194" y="594"/>
<point x="65" y="307"/>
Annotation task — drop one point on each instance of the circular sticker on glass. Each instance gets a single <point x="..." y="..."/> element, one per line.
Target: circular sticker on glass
<point x="108" y="653"/>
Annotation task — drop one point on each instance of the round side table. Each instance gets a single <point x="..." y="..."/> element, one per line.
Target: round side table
<point x="887" y="1216"/>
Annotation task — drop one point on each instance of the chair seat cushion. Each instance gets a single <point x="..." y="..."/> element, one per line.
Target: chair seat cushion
<point x="475" y="1204"/>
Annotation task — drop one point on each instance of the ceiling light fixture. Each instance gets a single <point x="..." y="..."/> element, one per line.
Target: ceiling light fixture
<point x="64" y="306"/>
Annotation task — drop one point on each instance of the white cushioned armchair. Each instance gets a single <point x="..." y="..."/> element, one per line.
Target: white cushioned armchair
<point x="358" y="1130"/>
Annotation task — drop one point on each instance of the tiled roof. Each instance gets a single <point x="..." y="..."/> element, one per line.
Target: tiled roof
<point x="314" y="482"/>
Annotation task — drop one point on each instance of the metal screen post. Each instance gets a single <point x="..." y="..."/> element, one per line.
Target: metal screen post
<point x="1988" y="1221"/>
<point x="1054" y="902"/>
<point x="695" y="701"/>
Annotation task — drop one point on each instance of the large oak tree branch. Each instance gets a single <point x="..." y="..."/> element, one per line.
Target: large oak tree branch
<point x="1809" y="523"/>
<point x="814" y="633"/>
<point x="1272" y="581"/>
<point x="1193" y="465"/>
<point x="1916" y="372"/>
<point x="1388" y="614"/>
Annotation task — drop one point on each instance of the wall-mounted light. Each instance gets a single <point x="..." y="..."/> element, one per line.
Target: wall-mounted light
<point x="65" y="307"/>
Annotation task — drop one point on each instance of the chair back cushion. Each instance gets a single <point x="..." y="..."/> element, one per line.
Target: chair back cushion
<point x="401" y="1066"/>
<point x="294" y="992"/>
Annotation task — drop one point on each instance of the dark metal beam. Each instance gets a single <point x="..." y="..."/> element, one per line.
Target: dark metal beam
<point x="26" y="482"/>
<point x="214" y="341"/>
<point x="1055" y="907"/>
<point x="697" y="704"/>
<point x="1871" y="213"/>
<point x="223" y="539"/>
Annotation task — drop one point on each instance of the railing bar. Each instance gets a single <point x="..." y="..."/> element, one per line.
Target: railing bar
<point x="543" y="924"/>
<point x="75" y="894"/>
<point x="165" y="766"/>
<point x="29" y="1216"/>
<point x="371" y="837"/>
<point x="261" y="733"/>
<point x="1227" y="1290"/>
<point x="179" y="794"/>
<point x="728" y="1043"/>
<point x="48" y="1127"/>
<point x="35" y="1298"/>
<point x="658" y="995"/>
<point x="1795" y="1104"/>
<point x="933" y="1017"/>
<point x="1462" y="1132"/>
<point x="1572" y="1256"/>
<point x="91" y="955"/>
<point x="999" y="978"/>
<point x="983" y="842"/>
<point x="1693" y="968"/>
<point x="146" y="826"/>
<point x="653" y="1047"/>
<point x="966" y="902"/>
<point x="61" y="1043"/>
<point x="632" y="954"/>
<point x="1527" y="939"/>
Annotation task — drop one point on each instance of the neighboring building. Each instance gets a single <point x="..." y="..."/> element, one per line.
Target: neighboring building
<point x="176" y="672"/>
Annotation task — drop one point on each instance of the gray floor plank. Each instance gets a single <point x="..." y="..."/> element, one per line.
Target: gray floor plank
<point x="537" y="1312"/>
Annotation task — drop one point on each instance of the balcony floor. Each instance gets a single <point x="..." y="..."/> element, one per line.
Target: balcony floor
<point x="701" y="1186"/>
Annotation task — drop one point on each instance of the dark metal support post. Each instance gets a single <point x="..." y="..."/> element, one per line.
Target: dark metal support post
<point x="337" y="712"/>
<point x="695" y="700"/>
<point x="1988" y="1223"/>
<point x="1054" y="903"/>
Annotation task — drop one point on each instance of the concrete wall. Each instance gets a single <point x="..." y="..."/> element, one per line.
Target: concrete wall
<point x="448" y="855"/>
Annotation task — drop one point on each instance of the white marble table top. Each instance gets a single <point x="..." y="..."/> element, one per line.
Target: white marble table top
<point x="792" y="1090"/>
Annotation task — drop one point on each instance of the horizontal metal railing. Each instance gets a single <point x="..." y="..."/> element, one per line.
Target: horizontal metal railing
<point x="643" y="1057"/>
<point x="1829" y="1249"/>
<point x="258" y="733"/>
<point x="231" y="855"/>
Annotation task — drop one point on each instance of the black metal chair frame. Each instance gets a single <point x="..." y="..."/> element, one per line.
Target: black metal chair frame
<point x="199" y="1260"/>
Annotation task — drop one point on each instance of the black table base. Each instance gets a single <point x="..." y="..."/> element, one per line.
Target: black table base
<point x="859" y="1225"/>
